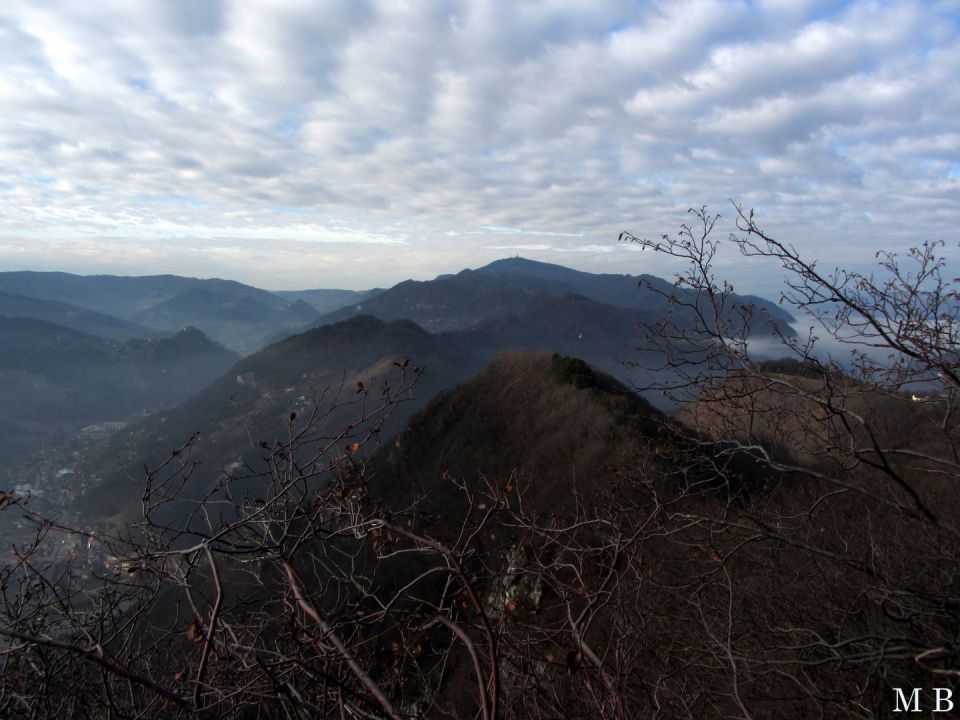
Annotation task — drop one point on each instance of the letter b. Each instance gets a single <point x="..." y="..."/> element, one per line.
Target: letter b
<point x="943" y="696"/>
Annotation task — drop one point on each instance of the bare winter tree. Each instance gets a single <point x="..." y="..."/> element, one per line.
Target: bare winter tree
<point x="837" y="535"/>
<point x="282" y="591"/>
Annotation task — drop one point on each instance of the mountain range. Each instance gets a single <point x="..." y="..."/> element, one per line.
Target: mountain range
<point x="54" y="380"/>
<point x="63" y="357"/>
<point x="70" y="316"/>
<point x="236" y="315"/>
<point x="473" y="448"/>
<point x="509" y="286"/>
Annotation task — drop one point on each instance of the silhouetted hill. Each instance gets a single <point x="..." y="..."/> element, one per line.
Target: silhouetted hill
<point x="240" y="322"/>
<point x="239" y="316"/>
<point x="54" y="379"/>
<point x="445" y="304"/>
<point x="572" y="325"/>
<point x="97" y="379"/>
<point x="123" y="296"/>
<point x="206" y="304"/>
<point x="543" y="436"/>
<point x="298" y="313"/>
<point x="555" y="420"/>
<point x="316" y="372"/>
<point x="573" y="495"/>
<point x="71" y="316"/>
<point x="325" y="301"/>
<point x="508" y="287"/>
<point x="619" y="290"/>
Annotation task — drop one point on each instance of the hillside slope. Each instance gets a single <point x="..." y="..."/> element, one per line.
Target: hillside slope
<point x="71" y="316"/>
<point x="239" y="321"/>
<point x="239" y="316"/>
<point x="552" y="419"/>
<point x="55" y="377"/>
<point x="315" y="374"/>
<point x="508" y="287"/>
<point x="120" y="295"/>
<point x="536" y="539"/>
<point x="325" y="301"/>
<point x="624" y="558"/>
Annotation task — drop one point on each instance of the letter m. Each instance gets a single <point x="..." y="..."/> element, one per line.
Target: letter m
<point x="903" y="705"/>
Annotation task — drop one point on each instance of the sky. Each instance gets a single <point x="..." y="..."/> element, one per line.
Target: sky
<point x="296" y="144"/>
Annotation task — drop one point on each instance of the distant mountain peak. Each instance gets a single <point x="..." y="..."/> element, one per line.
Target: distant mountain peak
<point x="525" y="266"/>
<point x="520" y="263"/>
<point x="194" y="338"/>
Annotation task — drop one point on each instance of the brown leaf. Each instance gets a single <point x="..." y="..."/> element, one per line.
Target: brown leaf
<point x="194" y="631"/>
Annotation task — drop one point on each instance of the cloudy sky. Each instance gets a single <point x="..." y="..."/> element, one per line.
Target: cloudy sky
<point x="298" y="143"/>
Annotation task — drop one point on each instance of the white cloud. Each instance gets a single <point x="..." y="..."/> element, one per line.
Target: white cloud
<point x="518" y="248"/>
<point x="382" y="139"/>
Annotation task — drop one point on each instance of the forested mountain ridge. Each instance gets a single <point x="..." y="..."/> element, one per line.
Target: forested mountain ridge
<point x="71" y="316"/>
<point x="55" y="379"/>
<point x="315" y="372"/>
<point x="237" y="315"/>
<point x="122" y="296"/>
<point x="509" y="286"/>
